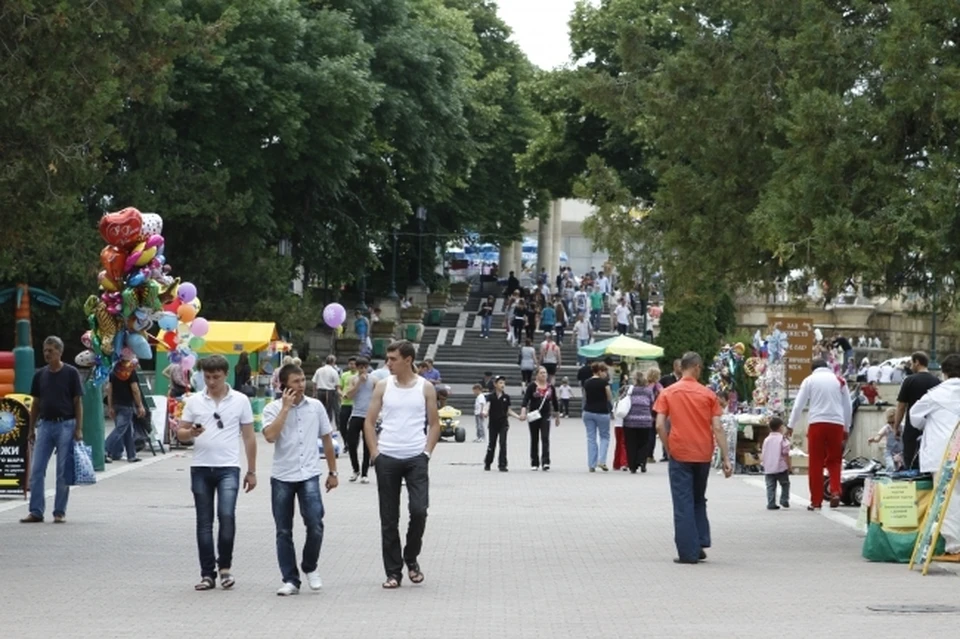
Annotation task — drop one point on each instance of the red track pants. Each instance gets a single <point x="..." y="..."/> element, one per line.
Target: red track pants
<point x="825" y="446"/>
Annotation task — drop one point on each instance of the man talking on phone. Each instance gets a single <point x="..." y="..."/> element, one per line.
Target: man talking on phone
<point x="216" y="419"/>
<point x="295" y="423"/>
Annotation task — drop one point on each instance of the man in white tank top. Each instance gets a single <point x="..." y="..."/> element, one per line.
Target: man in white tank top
<point x="405" y="404"/>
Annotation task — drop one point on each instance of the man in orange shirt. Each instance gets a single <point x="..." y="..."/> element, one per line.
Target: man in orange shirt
<point x="694" y="414"/>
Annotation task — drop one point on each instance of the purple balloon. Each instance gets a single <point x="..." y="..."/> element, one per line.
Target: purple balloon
<point x="187" y="292"/>
<point x="199" y="327"/>
<point x="334" y="315"/>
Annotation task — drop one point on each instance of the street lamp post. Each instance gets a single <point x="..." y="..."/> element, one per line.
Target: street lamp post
<point x="392" y="295"/>
<point x="934" y="364"/>
<point x="362" y="306"/>
<point x="421" y="217"/>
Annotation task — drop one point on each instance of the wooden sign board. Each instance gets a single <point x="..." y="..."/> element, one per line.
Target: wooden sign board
<point x="799" y="332"/>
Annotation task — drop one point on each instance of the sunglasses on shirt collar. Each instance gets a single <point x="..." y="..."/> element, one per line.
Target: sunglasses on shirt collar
<point x="216" y="416"/>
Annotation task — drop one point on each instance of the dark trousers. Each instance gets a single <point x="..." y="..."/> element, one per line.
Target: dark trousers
<point x="497" y="432"/>
<point x="688" y="488"/>
<point x="391" y="472"/>
<point x="526" y="376"/>
<point x="558" y="330"/>
<point x="772" y="480"/>
<point x="282" y="496"/>
<point x="354" y="437"/>
<point x="517" y="332"/>
<point x="224" y="483"/>
<point x="622" y="328"/>
<point x="531" y="329"/>
<point x="565" y="407"/>
<point x="650" y="450"/>
<point x="331" y="401"/>
<point x="343" y="420"/>
<point x="911" y="448"/>
<point x="636" y="444"/>
<point x="540" y="434"/>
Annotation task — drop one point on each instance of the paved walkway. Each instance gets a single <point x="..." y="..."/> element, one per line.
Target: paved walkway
<point x="518" y="554"/>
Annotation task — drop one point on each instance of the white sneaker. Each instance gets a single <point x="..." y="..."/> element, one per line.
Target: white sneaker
<point x="313" y="578"/>
<point x="287" y="589"/>
<point x="534" y="468"/>
<point x="354" y="476"/>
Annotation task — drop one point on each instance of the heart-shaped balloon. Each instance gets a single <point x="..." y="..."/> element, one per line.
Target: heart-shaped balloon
<point x="152" y="224"/>
<point x="113" y="260"/>
<point x="123" y="228"/>
<point x="87" y="339"/>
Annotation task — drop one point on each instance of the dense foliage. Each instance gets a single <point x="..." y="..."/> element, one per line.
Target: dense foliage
<point x="275" y="137"/>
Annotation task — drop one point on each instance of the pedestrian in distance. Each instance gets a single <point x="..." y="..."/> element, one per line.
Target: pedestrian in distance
<point x="216" y="420"/>
<point x="401" y="454"/>
<point x="539" y="405"/>
<point x="123" y="402"/>
<point x="359" y="392"/>
<point x="479" y="401"/>
<point x="597" y="411"/>
<point x="497" y="411"/>
<point x="56" y="420"/>
<point x="775" y="456"/>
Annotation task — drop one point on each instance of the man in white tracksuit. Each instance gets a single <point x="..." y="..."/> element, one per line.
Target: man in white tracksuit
<point x="936" y="416"/>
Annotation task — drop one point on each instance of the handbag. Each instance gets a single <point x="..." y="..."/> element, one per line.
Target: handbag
<point x="622" y="409"/>
<point x="534" y="415"/>
<point x="83" y="464"/>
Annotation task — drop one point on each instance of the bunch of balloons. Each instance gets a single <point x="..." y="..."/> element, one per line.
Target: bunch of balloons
<point x="136" y="290"/>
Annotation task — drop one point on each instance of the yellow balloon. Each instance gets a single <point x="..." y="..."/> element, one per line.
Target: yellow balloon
<point x="147" y="256"/>
<point x="195" y="303"/>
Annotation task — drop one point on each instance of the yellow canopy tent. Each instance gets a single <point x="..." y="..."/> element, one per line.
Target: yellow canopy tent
<point x="224" y="338"/>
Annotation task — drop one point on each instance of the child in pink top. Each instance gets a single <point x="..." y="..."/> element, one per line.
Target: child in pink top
<point x="775" y="458"/>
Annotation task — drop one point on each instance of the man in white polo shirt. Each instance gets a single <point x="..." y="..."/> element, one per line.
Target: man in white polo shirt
<point x="216" y="420"/>
<point x="295" y="423"/>
<point x="406" y="404"/>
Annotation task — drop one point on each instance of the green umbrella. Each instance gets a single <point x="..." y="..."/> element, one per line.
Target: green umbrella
<point x="623" y="346"/>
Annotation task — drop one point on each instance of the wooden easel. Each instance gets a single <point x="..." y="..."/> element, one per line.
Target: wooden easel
<point x="926" y="544"/>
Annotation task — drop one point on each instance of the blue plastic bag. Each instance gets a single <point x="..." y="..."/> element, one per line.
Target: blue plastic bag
<point x="83" y="465"/>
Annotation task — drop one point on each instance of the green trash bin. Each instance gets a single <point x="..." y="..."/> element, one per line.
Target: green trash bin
<point x="411" y="333"/>
<point x="257" y="404"/>
<point x="434" y="317"/>
<point x="380" y="347"/>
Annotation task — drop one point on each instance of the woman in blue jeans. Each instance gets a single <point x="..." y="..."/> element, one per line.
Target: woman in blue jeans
<point x="597" y="402"/>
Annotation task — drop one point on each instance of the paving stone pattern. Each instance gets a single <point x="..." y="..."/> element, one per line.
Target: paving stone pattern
<point x="519" y="554"/>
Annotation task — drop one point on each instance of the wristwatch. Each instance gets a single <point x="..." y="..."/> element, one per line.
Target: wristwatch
<point x="334" y="473"/>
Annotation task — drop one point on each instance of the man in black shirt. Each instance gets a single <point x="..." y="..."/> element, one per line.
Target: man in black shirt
<point x="673" y="377"/>
<point x="123" y="399"/>
<point x="845" y="345"/>
<point x="497" y="411"/>
<point x="56" y="420"/>
<point x="584" y="373"/>
<point x="913" y="388"/>
<point x="513" y="284"/>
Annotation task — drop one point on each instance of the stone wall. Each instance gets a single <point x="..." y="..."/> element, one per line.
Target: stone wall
<point x="900" y="331"/>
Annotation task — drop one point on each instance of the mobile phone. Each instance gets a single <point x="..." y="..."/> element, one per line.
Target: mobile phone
<point x="283" y="388"/>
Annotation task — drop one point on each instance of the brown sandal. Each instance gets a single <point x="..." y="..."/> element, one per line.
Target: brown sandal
<point x="392" y="583"/>
<point x="414" y="573"/>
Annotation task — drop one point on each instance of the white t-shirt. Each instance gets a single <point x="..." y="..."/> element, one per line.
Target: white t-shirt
<point x="478" y="404"/>
<point x="326" y="378"/>
<point x="582" y="328"/>
<point x="218" y="447"/>
<point x="886" y="374"/>
<point x="565" y="391"/>
<point x="623" y="315"/>
<point x="873" y="373"/>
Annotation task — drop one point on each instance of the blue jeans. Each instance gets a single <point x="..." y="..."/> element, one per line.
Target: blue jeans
<point x="485" y="323"/>
<point x="282" y="496"/>
<point x="122" y="435"/>
<point x="51" y="436"/>
<point x="224" y="481"/>
<point x="595" y="318"/>
<point x="580" y="344"/>
<point x="597" y="423"/>
<point x="688" y="488"/>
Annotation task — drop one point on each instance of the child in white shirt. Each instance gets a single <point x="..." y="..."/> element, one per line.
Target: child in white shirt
<point x="565" y="393"/>
<point x="478" y="403"/>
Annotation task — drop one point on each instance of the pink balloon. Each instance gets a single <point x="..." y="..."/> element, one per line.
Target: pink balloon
<point x="188" y="362"/>
<point x="131" y="261"/>
<point x="87" y="339"/>
<point x="200" y="327"/>
<point x="153" y="240"/>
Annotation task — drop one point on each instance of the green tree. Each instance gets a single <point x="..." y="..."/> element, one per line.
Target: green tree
<point x="689" y="327"/>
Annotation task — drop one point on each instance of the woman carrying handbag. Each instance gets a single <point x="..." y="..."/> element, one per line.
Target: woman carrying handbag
<point x="542" y="395"/>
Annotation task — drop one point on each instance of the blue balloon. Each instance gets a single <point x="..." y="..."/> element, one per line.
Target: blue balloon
<point x="118" y="342"/>
<point x="174" y="357"/>
<point x="168" y="321"/>
<point x="136" y="279"/>
<point x="139" y="345"/>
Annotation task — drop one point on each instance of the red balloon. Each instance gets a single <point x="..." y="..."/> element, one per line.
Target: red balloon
<point x="122" y="228"/>
<point x="170" y="339"/>
<point x="113" y="260"/>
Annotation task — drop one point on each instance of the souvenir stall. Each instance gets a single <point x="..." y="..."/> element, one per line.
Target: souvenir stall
<point x="756" y="388"/>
